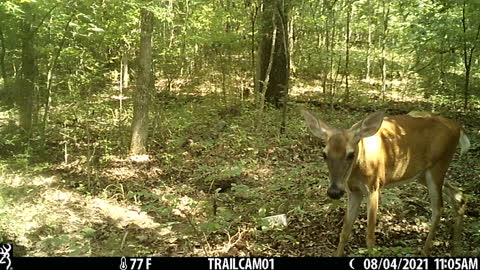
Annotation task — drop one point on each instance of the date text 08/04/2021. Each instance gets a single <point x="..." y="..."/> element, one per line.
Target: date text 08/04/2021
<point x="419" y="263"/>
<point x="352" y="263"/>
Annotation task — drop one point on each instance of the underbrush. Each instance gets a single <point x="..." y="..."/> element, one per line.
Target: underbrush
<point x="211" y="179"/>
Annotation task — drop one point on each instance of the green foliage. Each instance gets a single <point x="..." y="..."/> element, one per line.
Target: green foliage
<point x="70" y="245"/>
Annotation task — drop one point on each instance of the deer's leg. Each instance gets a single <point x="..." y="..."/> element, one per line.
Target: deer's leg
<point x="372" y="217"/>
<point x="354" y="200"/>
<point x="434" y="182"/>
<point x="455" y="197"/>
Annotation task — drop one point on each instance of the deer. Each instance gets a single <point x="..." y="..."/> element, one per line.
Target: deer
<point x="382" y="151"/>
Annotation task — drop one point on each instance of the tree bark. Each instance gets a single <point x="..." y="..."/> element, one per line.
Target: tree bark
<point x="467" y="57"/>
<point x="125" y="69"/>
<point x="26" y="80"/>
<point x="3" y="52"/>
<point x="332" y="54"/>
<point x="274" y="12"/>
<point x="369" y="46"/>
<point x="385" y="17"/>
<point x="51" y="68"/>
<point x="253" y="19"/>
<point x="145" y="84"/>
<point x="265" y="82"/>
<point x="124" y="80"/>
<point x="288" y="45"/>
<point x="347" y="51"/>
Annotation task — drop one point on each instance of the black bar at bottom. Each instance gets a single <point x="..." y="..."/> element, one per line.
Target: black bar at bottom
<point x="242" y="263"/>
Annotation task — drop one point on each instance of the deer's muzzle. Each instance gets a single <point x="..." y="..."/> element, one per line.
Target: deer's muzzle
<point x="335" y="192"/>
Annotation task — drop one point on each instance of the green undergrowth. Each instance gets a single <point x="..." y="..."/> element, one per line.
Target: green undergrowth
<point x="211" y="179"/>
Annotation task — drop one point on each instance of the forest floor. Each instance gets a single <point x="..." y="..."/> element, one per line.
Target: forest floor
<point x="210" y="180"/>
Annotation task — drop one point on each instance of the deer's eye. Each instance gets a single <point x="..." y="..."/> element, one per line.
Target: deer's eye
<point x="350" y="155"/>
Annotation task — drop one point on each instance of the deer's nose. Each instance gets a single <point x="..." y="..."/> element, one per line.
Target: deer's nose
<point x="335" y="192"/>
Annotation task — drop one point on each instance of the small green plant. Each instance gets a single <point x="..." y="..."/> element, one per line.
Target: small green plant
<point x="77" y="244"/>
<point x="385" y="252"/>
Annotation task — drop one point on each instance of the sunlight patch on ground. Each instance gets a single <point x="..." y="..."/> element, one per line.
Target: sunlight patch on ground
<point x="61" y="221"/>
<point x="259" y="173"/>
<point x="18" y="180"/>
<point x="121" y="172"/>
<point x="58" y="196"/>
<point x="124" y="216"/>
<point x="44" y="181"/>
<point x="140" y="158"/>
<point x="300" y="88"/>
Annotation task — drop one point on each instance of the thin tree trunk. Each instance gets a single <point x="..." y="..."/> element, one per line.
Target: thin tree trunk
<point x="385" y="15"/>
<point x="140" y="122"/>
<point x="51" y="68"/>
<point x="332" y="54"/>
<point x="290" y="43"/>
<point x="3" y="52"/>
<point x="287" y="28"/>
<point x="347" y="51"/>
<point x="186" y="59"/>
<point x="253" y="18"/>
<point x="465" y="59"/>
<point x="369" y="45"/>
<point x="326" y="52"/>
<point x="265" y="82"/>
<point x="125" y="69"/>
<point x="124" y="80"/>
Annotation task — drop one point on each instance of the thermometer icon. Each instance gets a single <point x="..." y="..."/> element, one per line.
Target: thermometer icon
<point x="123" y="263"/>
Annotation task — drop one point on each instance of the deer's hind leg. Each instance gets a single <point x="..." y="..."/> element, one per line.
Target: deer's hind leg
<point x="455" y="197"/>
<point x="436" y="201"/>
<point x="434" y="180"/>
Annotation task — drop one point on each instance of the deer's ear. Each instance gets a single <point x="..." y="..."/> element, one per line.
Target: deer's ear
<point x="317" y="126"/>
<point x="368" y="126"/>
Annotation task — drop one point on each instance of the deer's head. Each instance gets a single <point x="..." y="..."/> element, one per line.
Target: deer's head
<point x="340" y="152"/>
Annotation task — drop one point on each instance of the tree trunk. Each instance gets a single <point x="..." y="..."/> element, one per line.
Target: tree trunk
<point x="291" y="42"/>
<point x="326" y="52"/>
<point x="124" y="80"/>
<point x="332" y="54"/>
<point x="2" y="56"/>
<point x="347" y="51"/>
<point x="253" y="19"/>
<point x="288" y="48"/>
<point x="125" y="69"/>
<point x="274" y="12"/>
<point x="261" y="92"/>
<point x="51" y="68"/>
<point x="385" y="15"/>
<point x="26" y="79"/>
<point x="467" y="57"/>
<point x="145" y="84"/>
<point x="369" y="46"/>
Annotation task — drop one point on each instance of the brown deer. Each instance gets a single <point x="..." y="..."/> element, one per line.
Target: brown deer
<point x="381" y="151"/>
